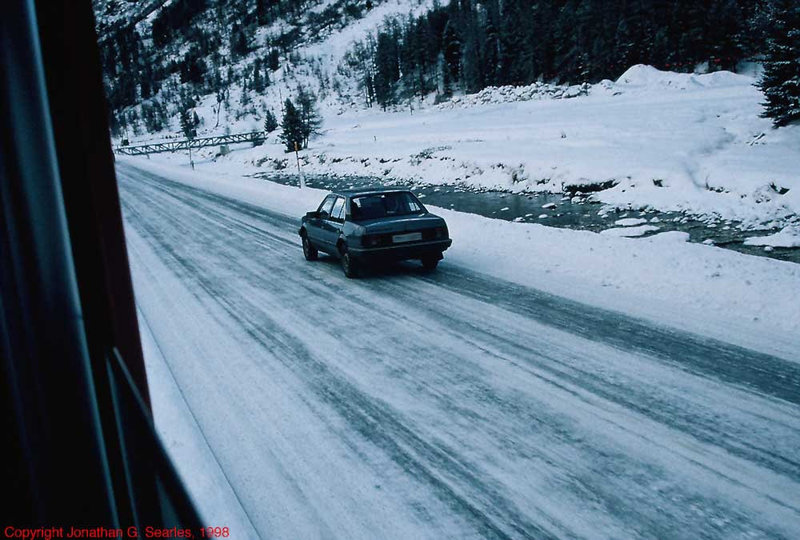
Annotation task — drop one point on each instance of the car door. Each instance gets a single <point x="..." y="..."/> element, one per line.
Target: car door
<point x="314" y="226"/>
<point x="332" y="225"/>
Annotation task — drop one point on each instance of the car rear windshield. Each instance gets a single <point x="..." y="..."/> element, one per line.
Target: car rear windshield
<point x="380" y="205"/>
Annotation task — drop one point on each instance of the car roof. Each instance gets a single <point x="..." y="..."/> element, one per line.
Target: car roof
<point x="357" y="192"/>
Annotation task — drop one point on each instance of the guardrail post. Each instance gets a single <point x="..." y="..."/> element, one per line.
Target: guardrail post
<point x="299" y="172"/>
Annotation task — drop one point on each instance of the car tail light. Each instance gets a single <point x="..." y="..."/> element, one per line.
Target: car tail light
<point x="441" y="232"/>
<point x="370" y="240"/>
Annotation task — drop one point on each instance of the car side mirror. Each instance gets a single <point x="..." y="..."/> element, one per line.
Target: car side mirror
<point x="312" y="215"/>
<point x="322" y="214"/>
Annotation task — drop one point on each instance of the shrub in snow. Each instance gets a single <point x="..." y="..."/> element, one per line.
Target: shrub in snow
<point x="291" y="127"/>
<point x="270" y="122"/>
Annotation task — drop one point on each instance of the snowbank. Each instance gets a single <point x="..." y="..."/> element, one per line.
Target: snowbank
<point x="788" y="237"/>
<point x="650" y="78"/>
<point x="509" y="94"/>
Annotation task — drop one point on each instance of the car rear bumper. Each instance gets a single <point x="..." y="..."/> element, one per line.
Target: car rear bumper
<point x="416" y="250"/>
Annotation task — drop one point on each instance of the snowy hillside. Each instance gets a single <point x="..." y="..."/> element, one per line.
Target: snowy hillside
<point x="161" y="60"/>
<point x="651" y="139"/>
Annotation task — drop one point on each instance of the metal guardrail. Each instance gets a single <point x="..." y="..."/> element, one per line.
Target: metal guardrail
<point x="186" y="144"/>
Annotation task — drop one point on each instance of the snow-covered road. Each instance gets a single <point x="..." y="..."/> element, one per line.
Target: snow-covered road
<point x="451" y="405"/>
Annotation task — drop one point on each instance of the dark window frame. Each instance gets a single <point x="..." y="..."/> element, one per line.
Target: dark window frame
<point x="77" y="411"/>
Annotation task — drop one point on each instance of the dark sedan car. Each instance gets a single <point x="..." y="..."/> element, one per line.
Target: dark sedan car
<point x="370" y="225"/>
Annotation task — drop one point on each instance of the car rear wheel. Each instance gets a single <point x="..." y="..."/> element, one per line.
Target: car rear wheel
<point x="309" y="251"/>
<point x="349" y="264"/>
<point x="430" y="263"/>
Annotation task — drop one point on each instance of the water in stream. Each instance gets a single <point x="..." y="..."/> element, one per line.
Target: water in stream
<point x="555" y="210"/>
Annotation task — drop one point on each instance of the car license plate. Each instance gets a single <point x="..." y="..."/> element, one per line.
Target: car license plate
<point x="410" y="237"/>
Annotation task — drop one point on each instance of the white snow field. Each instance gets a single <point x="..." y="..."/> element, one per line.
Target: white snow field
<point x="670" y="141"/>
<point x="543" y="383"/>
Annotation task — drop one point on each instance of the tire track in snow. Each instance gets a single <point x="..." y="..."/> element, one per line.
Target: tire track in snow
<point x="705" y="356"/>
<point x="698" y="355"/>
<point x="498" y="518"/>
<point x="368" y="414"/>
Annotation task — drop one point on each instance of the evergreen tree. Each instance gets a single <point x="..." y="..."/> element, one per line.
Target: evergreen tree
<point x="624" y="45"/>
<point x="660" y="49"/>
<point x="752" y="32"/>
<point x="274" y="59"/>
<point x="193" y="67"/>
<point x="310" y="120"/>
<point x="291" y="127"/>
<point x="451" y="44"/>
<point x="408" y="47"/>
<point x="239" y="41"/>
<point x="369" y="88"/>
<point x="387" y="68"/>
<point x="266" y="79"/>
<point x="517" y="61"/>
<point x="258" y="81"/>
<point x="723" y="37"/>
<point x="491" y="51"/>
<point x="781" y="80"/>
<point x="189" y="122"/>
<point x="262" y="12"/>
<point x="689" y="20"/>
<point x="270" y="123"/>
<point x="472" y="62"/>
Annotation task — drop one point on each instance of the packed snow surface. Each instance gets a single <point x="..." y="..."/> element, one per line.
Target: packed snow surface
<point x="471" y="402"/>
